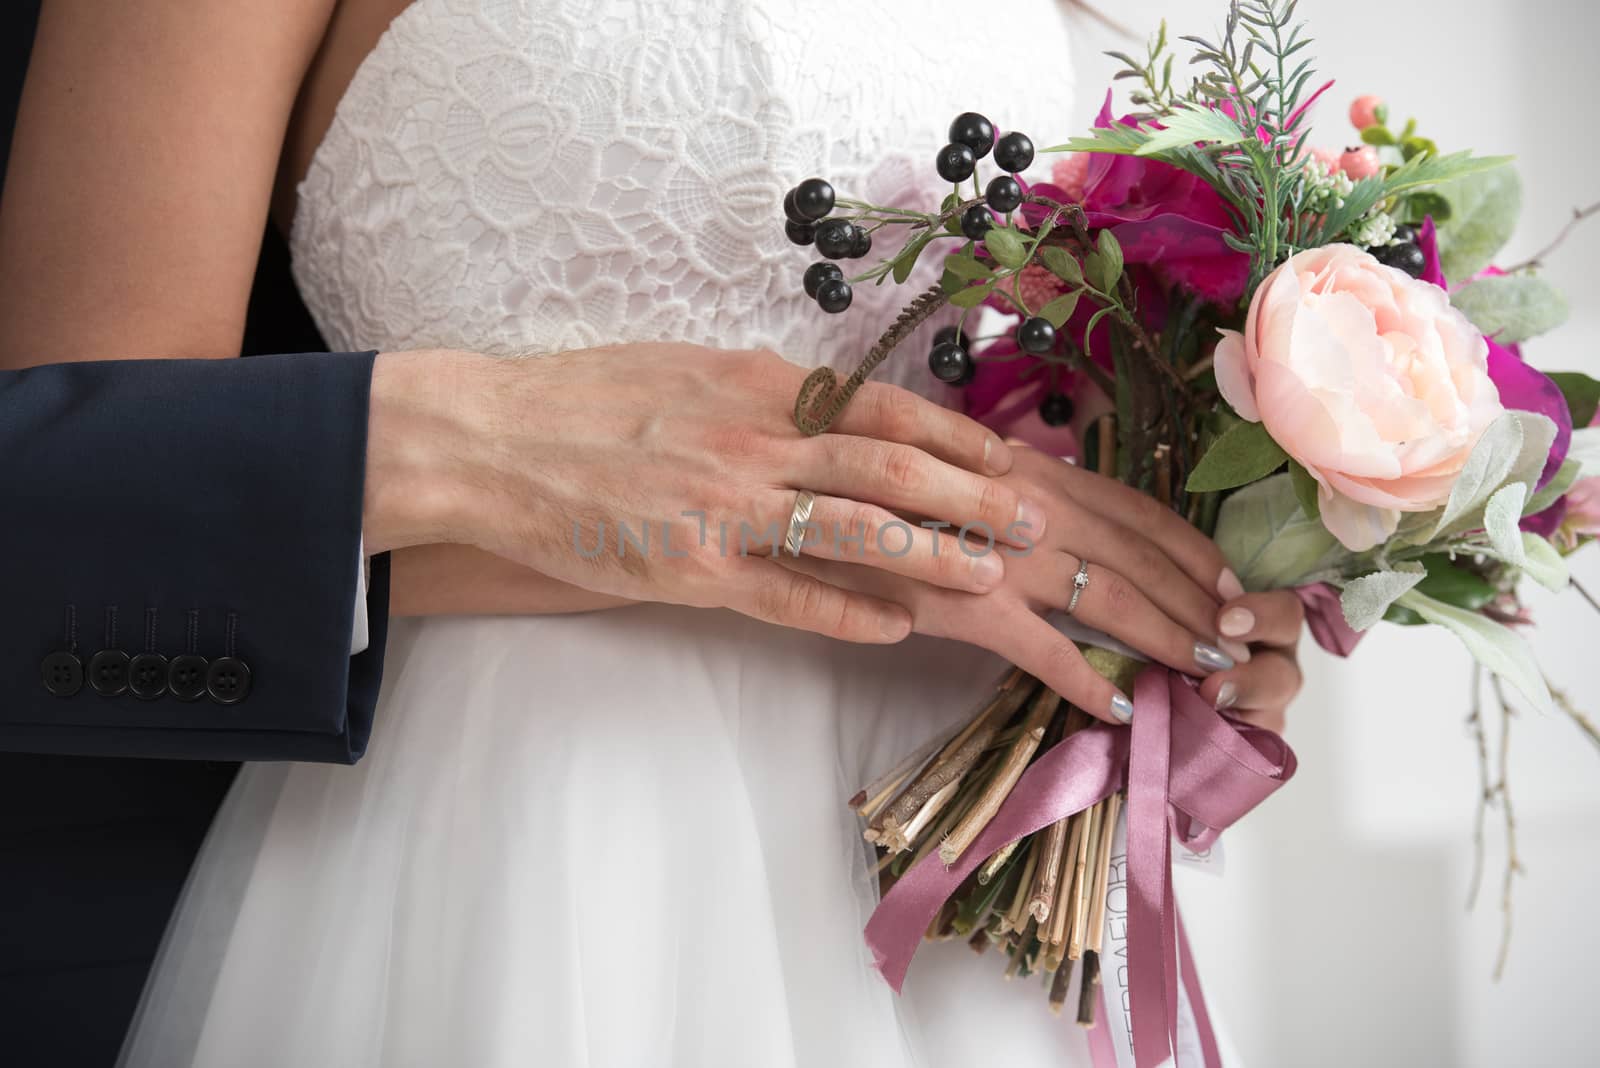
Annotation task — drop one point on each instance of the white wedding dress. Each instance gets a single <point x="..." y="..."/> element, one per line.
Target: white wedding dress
<point x="617" y="839"/>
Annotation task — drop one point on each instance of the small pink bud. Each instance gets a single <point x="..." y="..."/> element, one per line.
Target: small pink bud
<point x="1359" y="163"/>
<point x="1328" y="157"/>
<point x="1364" y="111"/>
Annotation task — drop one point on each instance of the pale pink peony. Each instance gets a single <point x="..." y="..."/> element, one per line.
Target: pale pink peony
<point x="1364" y="111"/>
<point x="1583" y="508"/>
<point x="1368" y="378"/>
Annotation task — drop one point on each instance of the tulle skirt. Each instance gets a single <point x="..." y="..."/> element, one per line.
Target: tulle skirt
<point x="603" y="840"/>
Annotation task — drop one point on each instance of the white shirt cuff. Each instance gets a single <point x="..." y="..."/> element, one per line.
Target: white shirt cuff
<point x="358" y="625"/>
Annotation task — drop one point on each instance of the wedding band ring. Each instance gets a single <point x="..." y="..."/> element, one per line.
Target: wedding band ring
<point x="1080" y="582"/>
<point x="796" y="537"/>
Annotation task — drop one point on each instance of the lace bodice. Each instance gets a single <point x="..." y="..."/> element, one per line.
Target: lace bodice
<point x="539" y="175"/>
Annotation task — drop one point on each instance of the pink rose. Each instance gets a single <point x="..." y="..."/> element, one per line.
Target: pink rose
<point x="1368" y="378"/>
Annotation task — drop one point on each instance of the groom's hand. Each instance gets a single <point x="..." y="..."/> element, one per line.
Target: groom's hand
<point x="669" y="473"/>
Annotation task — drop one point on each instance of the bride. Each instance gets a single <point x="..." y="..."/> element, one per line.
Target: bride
<point x="596" y="825"/>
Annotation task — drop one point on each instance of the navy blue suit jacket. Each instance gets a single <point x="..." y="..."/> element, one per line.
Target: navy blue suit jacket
<point x="183" y="508"/>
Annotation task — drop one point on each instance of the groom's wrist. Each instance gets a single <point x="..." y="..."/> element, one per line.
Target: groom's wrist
<point x="423" y="447"/>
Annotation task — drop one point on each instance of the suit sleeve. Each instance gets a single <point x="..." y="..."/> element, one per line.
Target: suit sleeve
<point x="179" y="555"/>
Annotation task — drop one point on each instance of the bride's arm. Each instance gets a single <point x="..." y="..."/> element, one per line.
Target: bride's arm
<point x="139" y="183"/>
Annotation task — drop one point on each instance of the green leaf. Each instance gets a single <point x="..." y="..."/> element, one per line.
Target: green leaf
<point x="907" y="259"/>
<point x="968" y="269"/>
<point x="1500" y="517"/>
<point x="1305" y="490"/>
<point x="1423" y="203"/>
<point x="950" y="282"/>
<point x="1377" y="135"/>
<point x="1268" y="541"/>
<point x="1496" y="647"/>
<point x="1061" y="263"/>
<point x="1453" y="585"/>
<point x="1366" y="599"/>
<point x="1405" y="617"/>
<point x="1245" y="454"/>
<point x="970" y="297"/>
<point x="1432" y="170"/>
<point x="1006" y="247"/>
<point x="1418" y="146"/>
<point x="1109" y="250"/>
<point x="1511" y="307"/>
<point x="1543" y="564"/>
<point x="1558" y="485"/>
<point x="1193" y="124"/>
<point x="1059" y="310"/>
<point x="1484" y="209"/>
<point x="1582" y="393"/>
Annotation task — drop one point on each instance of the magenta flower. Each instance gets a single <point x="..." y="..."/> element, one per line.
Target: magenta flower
<point x="1164" y="218"/>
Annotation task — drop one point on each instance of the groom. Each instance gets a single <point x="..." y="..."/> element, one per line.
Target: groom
<point x="125" y="488"/>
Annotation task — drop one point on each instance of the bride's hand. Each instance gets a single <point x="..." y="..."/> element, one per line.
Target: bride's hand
<point x="535" y="460"/>
<point x="1154" y="582"/>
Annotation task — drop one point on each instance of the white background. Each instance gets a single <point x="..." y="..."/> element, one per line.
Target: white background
<point x="1338" y="934"/>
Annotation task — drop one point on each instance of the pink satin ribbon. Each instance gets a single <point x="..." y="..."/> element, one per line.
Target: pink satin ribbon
<point x="1190" y="772"/>
<point x="1325" y="619"/>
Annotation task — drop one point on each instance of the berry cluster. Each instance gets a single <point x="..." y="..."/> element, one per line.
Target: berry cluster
<point x="1402" y="252"/>
<point x="807" y="207"/>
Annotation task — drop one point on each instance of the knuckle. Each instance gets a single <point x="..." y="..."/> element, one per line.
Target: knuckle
<point x="996" y="503"/>
<point x="737" y="441"/>
<point x="1119" y="594"/>
<point x="902" y="468"/>
<point x="899" y="413"/>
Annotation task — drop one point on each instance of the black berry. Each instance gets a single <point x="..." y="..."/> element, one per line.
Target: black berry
<point x="814" y="198"/>
<point x="1003" y="194"/>
<point x="1406" y="257"/>
<point x="1405" y="232"/>
<point x="1036" y="335"/>
<point x="950" y="363"/>
<point x="800" y="233"/>
<point x="791" y="210"/>
<point x="834" y="295"/>
<point x="956" y="162"/>
<point x="976" y="221"/>
<point x="819" y="273"/>
<point x="949" y="334"/>
<point x="974" y="131"/>
<point x="862" y="246"/>
<point x="1013" y="152"/>
<point x="1056" y="410"/>
<point x="835" y="238"/>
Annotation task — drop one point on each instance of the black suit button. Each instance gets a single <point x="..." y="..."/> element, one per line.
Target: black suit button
<point x="63" y="674"/>
<point x="147" y="676"/>
<point x="186" y="677"/>
<point x="108" y="672"/>
<point x="228" y="681"/>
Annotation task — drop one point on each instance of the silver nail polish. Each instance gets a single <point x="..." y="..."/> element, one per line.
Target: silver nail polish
<point x="1122" y="708"/>
<point x="1210" y="658"/>
<point x="1227" y="696"/>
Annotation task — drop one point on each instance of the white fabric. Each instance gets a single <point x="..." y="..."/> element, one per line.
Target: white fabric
<point x="620" y="838"/>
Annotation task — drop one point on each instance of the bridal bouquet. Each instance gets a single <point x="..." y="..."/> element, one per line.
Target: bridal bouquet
<point x="1308" y="353"/>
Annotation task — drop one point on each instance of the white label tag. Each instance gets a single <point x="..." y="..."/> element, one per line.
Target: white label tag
<point x="1207" y="860"/>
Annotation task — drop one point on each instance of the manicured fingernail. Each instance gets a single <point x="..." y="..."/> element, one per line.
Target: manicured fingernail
<point x="996" y="457"/>
<point x="895" y="625"/>
<point x="1238" y="650"/>
<point x="1227" y="696"/>
<point x="987" y="571"/>
<point x="1236" y="622"/>
<point x="1228" y="585"/>
<point x="1122" y="708"/>
<point x="1210" y="658"/>
<point x="1030" y="517"/>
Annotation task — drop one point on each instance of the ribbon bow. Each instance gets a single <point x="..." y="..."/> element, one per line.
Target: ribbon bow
<point x="1190" y="773"/>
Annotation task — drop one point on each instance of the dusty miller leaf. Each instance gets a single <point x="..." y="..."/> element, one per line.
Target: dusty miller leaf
<point x="1367" y="598"/>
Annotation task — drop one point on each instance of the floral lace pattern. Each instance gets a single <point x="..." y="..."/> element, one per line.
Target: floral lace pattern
<point x="518" y="176"/>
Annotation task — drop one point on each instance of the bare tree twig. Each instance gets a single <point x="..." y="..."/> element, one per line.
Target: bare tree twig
<point x="1537" y="259"/>
<point x="1485" y="794"/>
<point x="1513" y="862"/>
